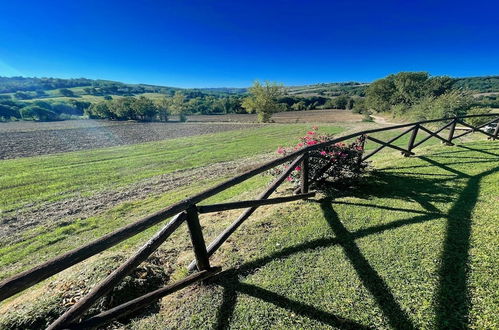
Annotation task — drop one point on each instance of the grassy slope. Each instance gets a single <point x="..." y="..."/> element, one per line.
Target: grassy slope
<point x="54" y="177"/>
<point x="416" y="246"/>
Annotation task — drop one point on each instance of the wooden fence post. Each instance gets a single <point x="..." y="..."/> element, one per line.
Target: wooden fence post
<point x="451" y="132"/>
<point x="496" y="131"/>
<point x="304" y="174"/>
<point x="198" y="244"/>
<point x="412" y="139"/>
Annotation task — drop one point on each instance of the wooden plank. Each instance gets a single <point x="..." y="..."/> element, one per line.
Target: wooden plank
<point x="452" y="128"/>
<point x="384" y="144"/>
<point x="433" y="134"/>
<point x="217" y="242"/>
<point x="197" y="239"/>
<point x="412" y="139"/>
<point x="304" y="175"/>
<point x="116" y="276"/>
<point x="476" y="129"/>
<point x="143" y="301"/>
<point x="251" y="203"/>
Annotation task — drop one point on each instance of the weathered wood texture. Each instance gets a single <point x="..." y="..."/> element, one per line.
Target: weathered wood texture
<point x="115" y="277"/>
<point x="197" y="239"/>
<point x="143" y="301"/>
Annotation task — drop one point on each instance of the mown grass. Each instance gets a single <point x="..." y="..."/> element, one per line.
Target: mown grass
<point x="414" y="246"/>
<point x="54" y="177"/>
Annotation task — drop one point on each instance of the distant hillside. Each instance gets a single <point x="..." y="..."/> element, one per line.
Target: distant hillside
<point x="485" y="84"/>
<point x="82" y="86"/>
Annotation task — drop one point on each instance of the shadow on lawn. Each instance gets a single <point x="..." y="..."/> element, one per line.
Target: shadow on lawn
<point x="452" y="298"/>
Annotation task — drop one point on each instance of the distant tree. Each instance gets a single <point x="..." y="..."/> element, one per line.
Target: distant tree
<point x="66" y="92"/>
<point x="453" y="103"/>
<point x="38" y="113"/>
<point x="144" y="108"/>
<point x="22" y="96"/>
<point x="7" y="112"/>
<point x="178" y="106"/>
<point x="350" y="103"/>
<point x="163" y="106"/>
<point x="299" y="106"/>
<point x="107" y="97"/>
<point x="100" y="110"/>
<point x="263" y="100"/>
<point x="122" y="108"/>
<point x="40" y="93"/>
<point x="341" y="102"/>
<point x="80" y="105"/>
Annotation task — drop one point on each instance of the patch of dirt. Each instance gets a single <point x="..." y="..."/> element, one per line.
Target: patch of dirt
<point x="24" y="139"/>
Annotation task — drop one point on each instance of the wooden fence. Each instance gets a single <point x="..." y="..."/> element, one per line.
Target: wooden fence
<point x="188" y="211"/>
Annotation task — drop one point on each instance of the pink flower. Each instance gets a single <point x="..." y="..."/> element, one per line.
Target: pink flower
<point x="310" y="133"/>
<point x="298" y="168"/>
<point x="323" y="153"/>
<point x="289" y="178"/>
<point x="311" y="143"/>
<point x="280" y="150"/>
<point x="300" y="144"/>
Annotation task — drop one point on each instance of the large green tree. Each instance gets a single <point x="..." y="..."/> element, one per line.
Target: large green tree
<point x="263" y="100"/>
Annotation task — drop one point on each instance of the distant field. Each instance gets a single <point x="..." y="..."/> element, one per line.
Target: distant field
<point x="24" y="139"/>
<point x="309" y="116"/>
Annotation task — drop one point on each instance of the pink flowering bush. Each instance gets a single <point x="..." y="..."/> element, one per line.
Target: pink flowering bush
<point x="338" y="164"/>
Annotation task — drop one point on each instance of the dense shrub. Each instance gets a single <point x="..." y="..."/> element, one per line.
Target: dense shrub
<point x="451" y="104"/>
<point x="477" y="121"/>
<point x="337" y="165"/>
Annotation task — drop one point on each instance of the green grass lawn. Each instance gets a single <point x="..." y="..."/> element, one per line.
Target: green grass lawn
<point x="414" y="246"/>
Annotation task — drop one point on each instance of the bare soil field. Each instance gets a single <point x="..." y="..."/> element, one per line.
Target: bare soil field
<point x="288" y="117"/>
<point x="24" y="139"/>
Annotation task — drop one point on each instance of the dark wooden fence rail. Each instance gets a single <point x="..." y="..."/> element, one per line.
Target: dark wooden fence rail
<point x="188" y="211"/>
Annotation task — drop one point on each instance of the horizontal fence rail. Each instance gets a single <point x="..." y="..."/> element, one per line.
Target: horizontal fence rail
<point x="188" y="211"/>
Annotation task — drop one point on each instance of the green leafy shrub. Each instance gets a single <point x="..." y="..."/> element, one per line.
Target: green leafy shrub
<point x="477" y="121"/>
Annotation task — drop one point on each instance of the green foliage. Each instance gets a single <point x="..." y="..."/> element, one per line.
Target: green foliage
<point x="451" y="104"/>
<point x="178" y="106"/>
<point x="66" y="92"/>
<point x="23" y="96"/>
<point x="38" y="113"/>
<point x="359" y="106"/>
<point x="476" y="121"/>
<point x="263" y="100"/>
<point x="407" y="88"/>
<point x="7" y="112"/>
<point x="479" y="84"/>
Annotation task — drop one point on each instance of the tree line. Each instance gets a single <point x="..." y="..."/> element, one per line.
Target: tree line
<point x="416" y="95"/>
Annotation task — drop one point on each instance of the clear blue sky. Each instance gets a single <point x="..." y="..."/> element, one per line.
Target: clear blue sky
<point x="214" y="43"/>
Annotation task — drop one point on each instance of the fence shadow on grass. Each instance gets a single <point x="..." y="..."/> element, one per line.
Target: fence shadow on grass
<point x="451" y="298"/>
